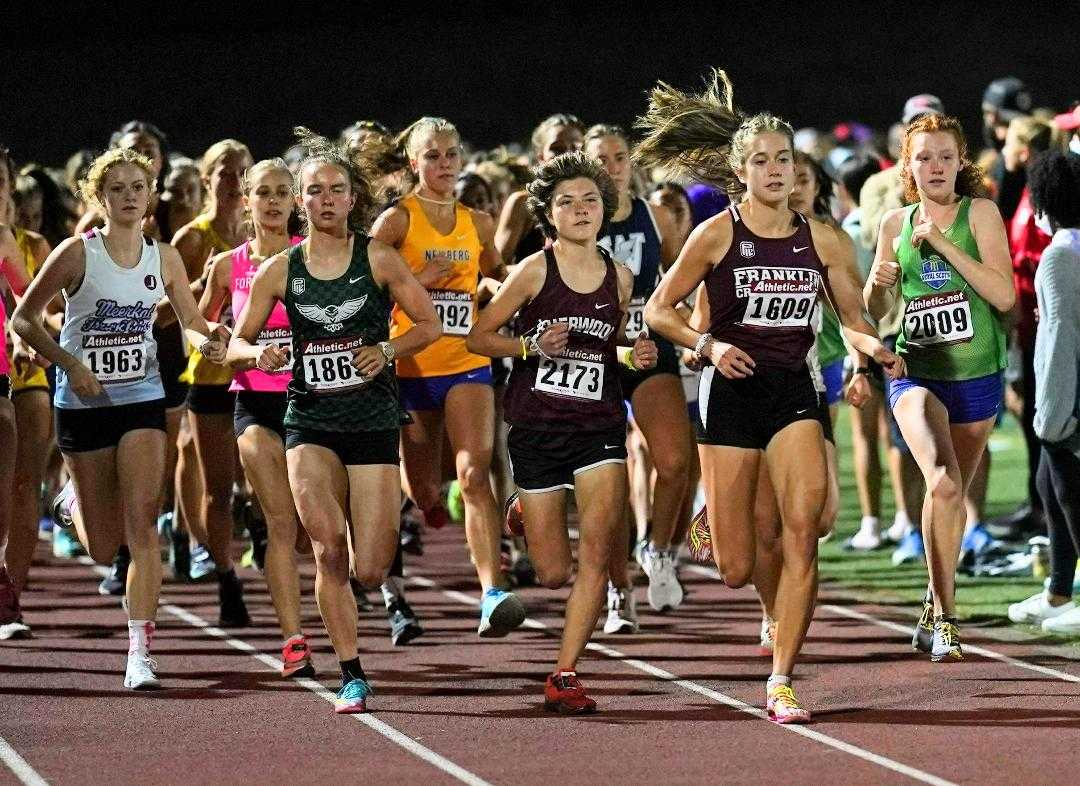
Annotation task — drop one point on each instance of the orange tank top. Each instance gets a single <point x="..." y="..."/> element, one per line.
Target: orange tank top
<point x="454" y="295"/>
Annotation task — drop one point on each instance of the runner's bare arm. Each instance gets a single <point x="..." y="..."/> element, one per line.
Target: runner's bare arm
<point x="670" y="242"/>
<point x="14" y="266"/>
<point x="639" y="354"/>
<point x="63" y="270"/>
<point x="267" y="288"/>
<point x="522" y="285"/>
<point x="391" y="226"/>
<point x="217" y="287"/>
<point x="210" y="343"/>
<point x="389" y="269"/>
<point x="880" y="290"/>
<point x="513" y="224"/>
<point x="491" y="261"/>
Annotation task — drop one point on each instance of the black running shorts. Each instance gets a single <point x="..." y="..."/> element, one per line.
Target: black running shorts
<point x="353" y="448"/>
<point x="749" y="412"/>
<point x="211" y="400"/>
<point x="254" y="408"/>
<point x="83" y="430"/>
<point x="549" y="460"/>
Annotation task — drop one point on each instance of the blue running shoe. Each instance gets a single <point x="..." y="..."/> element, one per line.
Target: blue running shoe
<point x="500" y="613"/>
<point x="352" y="698"/>
<point x="65" y="545"/>
<point x="909" y="550"/>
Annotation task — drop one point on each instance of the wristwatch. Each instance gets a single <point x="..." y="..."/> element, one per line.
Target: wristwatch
<point x="388" y="351"/>
<point x="863" y="370"/>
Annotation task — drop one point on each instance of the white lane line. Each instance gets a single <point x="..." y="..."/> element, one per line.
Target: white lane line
<point x="906" y="630"/>
<point x="709" y="693"/>
<point x="386" y="730"/>
<point x="18" y="765"/>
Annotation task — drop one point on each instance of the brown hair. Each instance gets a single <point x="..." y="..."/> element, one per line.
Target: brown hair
<point x="218" y="151"/>
<point x="970" y="180"/>
<point x="360" y="163"/>
<point x="568" y="166"/>
<point x="702" y="136"/>
<point x="558" y="120"/>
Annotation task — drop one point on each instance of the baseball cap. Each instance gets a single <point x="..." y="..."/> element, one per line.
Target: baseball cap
<point x="1068" y="121"/>
<point x="1007" y="97"/>
<point x="920" y="105"/>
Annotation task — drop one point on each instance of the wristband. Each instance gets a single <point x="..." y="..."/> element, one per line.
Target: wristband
<point x="704" y="341"/>
<point x="862" y="370"/>
<point x="524" y="349"/>
<point x="628" y="359"/>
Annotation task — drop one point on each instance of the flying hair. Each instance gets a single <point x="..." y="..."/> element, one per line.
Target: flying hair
<point x="362" y="163"/>
<point x="970" y="180"/>
<point x="702" y="136"/>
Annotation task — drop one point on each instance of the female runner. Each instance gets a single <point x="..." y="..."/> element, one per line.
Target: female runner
<point x="342" y="421"/>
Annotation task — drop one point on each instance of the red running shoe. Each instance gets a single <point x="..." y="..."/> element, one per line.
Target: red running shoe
<point x="514" y="523"/>
<point x="296" y="658"/>
<point x="565" y="695"/>
<point x="437" y="517"/>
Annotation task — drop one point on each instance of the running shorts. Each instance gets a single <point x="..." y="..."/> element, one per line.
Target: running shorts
<point x="966" y="401"/>
<point x="82" y="430"/>
<point x="426" y="393"/>
<point x="749" y="412"/>
<point x="353" y="448"/>
<point x="548" y="460"/>
<point x="255" y="408"/>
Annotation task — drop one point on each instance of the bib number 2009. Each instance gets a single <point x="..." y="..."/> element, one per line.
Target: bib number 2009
<point x="574" y="378"/>
<point x="939" y="320"/>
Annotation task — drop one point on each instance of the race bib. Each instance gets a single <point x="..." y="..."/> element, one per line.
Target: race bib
<point x="635" y="318"/>
<point x="455" y="310"/>
<point x="581" y="379"/>
<point x="280" y="338"/>
<point x="114" y="358"/>
<point x="938" y="320"/>
<point x="328" y="365"/>
<point x="779" y="310"/>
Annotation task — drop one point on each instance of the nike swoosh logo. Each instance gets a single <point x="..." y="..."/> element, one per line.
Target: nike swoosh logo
<point x="354" y="280"/>
<point x="801" y="411"/>
<point x="796" y="249"/>
<point x="610" y="447"/>
<point x="602" y="305"/>
<point x="472" y="376"/>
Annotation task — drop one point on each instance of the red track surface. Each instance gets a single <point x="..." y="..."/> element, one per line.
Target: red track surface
<point x="883" y="714"/>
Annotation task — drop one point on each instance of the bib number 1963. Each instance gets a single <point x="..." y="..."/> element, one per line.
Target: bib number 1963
<point x="115" y="358"/>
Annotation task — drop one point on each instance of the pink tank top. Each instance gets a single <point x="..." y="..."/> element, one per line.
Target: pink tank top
<point x="276" y="331"/>
<point x="13" y="286"/>
<point x="4" y="367"/>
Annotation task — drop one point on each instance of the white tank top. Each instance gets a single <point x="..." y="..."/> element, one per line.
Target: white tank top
<point x="108" y="325"/>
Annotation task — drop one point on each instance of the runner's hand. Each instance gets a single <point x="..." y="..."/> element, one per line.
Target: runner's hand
<point x="213" y="349"/>
<point x="731" y="361"/>
<point x="692" y="361"/>
<point x="926" y="230"/>
<point x="885" y="274"/>
<point x="438" y="268"/>
<point x="554" y="340"/>
<point x="83" y="382"/>
<point x="271" y="358"/>
<point x="857" y="392"/>
<point x="644" y="354"/>
<point x="369" y="361"/>
<point x="892" y="363"/>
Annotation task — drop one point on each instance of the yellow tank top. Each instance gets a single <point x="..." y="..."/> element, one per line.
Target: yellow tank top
<point x="201" y="371"/>
<point x="32" y="376"/>
<point x="22" y="240"/>
<point x="454" y="296"/>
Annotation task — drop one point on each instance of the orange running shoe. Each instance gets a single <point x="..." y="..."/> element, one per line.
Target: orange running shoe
<point x="564" y="694"/>
<point x="296" y="658"/>
<point x="699" y="540"/>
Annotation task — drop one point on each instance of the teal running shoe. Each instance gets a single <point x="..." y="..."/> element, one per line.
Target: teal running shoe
<point x="500" y="613"/>
<point x="352" y="698"/>
<point x="65" y="545"/>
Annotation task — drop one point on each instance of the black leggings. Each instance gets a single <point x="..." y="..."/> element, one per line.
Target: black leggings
<point x="1059" y="480"/>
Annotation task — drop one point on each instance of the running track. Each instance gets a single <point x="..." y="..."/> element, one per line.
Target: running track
<point x="679" y="702"/>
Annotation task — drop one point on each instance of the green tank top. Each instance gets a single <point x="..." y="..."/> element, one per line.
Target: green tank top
<point x="948" y="332"/>
<point x="330" y="319"/>
<point x="830" y="342"/>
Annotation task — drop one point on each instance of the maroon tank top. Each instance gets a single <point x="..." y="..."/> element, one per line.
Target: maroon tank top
<point x="579" y="390"/>
<point x="762" y="294"/>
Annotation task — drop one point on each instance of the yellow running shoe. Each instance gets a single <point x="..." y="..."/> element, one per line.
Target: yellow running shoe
<point x="946" y="645"/>
<point x="783" y="707"/>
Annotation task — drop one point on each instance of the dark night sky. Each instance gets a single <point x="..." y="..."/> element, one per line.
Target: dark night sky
<point x="496" y="73"/>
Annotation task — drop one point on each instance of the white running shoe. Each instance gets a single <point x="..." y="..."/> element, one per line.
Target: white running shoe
<point x="665" y="592"/>
<point x="1036" y="610"/>
<point x="863" y="540"/>
<point x="768" y="634"/>
<point x="140" y="672"/>
<point x="622" y="610"/>
<point x="1065" y="624"/>
<point x="899" y="528"/>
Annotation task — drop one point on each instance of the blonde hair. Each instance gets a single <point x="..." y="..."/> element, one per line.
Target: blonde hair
<point x="1034" y="133"/>
<point x="255" y="171"/>
<point x="702" y="136"/>
<point x="408" y="139"/>
<point x="90" y="186"/>
<point x="218" y="151"/>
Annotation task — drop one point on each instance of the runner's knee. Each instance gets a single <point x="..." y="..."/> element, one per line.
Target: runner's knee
<point x="475" y="480"/>
<point x="552" y="576"/>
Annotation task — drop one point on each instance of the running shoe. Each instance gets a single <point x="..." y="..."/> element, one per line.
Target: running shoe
<point x="909" y="550"/>
<point x="699" y="539"/>
<point x="867" y="538"/>
<point x="61" y="506"/>
<point x="16" y="629"/>
<point x="768" y="635"/>
<point x="1037" y="609"/>
<point x="922" y="638"/>
<point x="437" y="517"/>
<point x="522" y="571"/>
<point x="500" y="613"/>
<point x="256" y="527"/>
<point x="404" y="624"/>
<point x="45" y="528"/>
<point x="11" y="622"/>
<point x="352" y="698"/>
<point x="233" y="611"/>
<point x="783" y="707"/>
<point x="946" y="645"/>
<point x="455" y="503"/>
<point x="978" y="545"/>
<point x="66" y="545"/>
<point x="564" y="694"/>
<point x="203" y="567"/>
<point x="296" y="658"/>
<point x="638" y="552"/>
<point x="513" y="523"/>
<point x="180" y="555"/>
<point x="900" y="527"/>
<point x="1067" y="624"/>
<point x="409" y="531"/>
<point x="140" y="672"/>
<point x="622" y="610"/>
<point x="665" y="592"/>
<point x="115" y="581"/>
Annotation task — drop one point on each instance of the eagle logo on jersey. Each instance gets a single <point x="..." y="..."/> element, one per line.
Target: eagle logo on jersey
<point x="935" y="272"/>
<point x="331" y="317"/>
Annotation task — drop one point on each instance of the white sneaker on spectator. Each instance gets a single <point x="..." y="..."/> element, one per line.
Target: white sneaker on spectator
<point x="900" y="527"/>
<point x="1065" y="624"/>
<point x="1037" y="609"/>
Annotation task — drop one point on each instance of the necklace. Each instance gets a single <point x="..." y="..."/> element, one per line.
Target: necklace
<point x="433" y="201"/>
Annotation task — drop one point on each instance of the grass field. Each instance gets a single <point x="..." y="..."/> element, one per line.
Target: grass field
<point x="872" y="577"/>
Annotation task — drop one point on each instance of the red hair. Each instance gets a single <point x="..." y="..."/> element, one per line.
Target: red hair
<point x="970" y="179"/>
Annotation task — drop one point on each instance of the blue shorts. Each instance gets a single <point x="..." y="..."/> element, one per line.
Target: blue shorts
<point x="425" y="393"/>
<point x="833" y="377"/>
<point x="966" y="400"/>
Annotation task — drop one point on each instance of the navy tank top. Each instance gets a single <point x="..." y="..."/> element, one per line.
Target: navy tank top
<point x="635" y="241"/>
<point x="762" y="294"/>
<point x="578" y="390"/>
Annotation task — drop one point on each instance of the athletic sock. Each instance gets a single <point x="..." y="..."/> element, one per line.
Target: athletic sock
<point x="777" y="679"/>
<point x="392" y="590"/>
<point x="139" y="634"/>
<point x="870" y="524"/>
<point x="351" y="670"/>
<point x="901" y="519"/>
